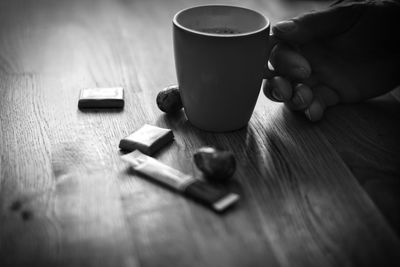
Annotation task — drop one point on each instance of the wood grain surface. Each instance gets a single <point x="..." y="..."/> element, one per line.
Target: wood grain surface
<point x="66" y="198"/>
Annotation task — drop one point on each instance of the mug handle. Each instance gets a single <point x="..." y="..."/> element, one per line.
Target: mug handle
<point x="272" y="42"/>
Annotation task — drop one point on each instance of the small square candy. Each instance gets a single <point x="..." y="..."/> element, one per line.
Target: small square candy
<point x="148" y="139"/>
<point x="112" y="97"/>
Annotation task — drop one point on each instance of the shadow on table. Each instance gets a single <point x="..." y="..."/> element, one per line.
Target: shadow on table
<point x="241" y="142"/>
<point x="366" y="136"/>
<point x="101" y="110"/>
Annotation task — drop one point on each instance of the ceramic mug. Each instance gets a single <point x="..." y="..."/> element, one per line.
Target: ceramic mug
<point x="220" y="56"/>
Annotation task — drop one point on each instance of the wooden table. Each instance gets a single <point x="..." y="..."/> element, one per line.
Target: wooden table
<point x="67" y="199"/>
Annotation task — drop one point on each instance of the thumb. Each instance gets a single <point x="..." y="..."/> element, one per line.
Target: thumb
<point x="319" y="25"/>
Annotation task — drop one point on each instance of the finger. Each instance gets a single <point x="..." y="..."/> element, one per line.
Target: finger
<point x="277" y="89"/>
<point x="315" y="111"/>
<point x="266" y="88"/>
<point x="269" y="71"/>
<point x="324" y="97"/>
<point x="281" y="89"/>
<point x="289" y="63"/>
<point x="302" y="97"/>
<point x="319" y="25"/>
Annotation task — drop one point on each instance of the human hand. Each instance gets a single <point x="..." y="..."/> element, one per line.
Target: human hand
<point x="345" y="54"/>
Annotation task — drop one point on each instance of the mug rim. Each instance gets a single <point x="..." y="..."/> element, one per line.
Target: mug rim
<point x="177" y="24"/>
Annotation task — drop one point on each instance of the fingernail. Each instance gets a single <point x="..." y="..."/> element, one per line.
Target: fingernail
<point x="286" y="26"/>
<point x="298" y="99"/>
<point x="276" y="95"/>
<point x="307" y="112"/>
<point x="301" y="72"/>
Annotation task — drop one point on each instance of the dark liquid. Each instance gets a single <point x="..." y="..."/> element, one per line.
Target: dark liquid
<point x="221" y="30"/>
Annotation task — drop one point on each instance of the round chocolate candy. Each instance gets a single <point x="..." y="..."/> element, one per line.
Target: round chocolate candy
<point x="217" y="165"/>
<point x="169" y="99"/>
